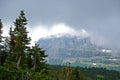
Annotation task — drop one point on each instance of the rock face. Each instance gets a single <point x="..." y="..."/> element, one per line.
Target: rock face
<point x="76" y="50"/>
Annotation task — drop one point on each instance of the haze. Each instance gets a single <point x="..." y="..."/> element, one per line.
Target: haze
<point x="99" y="17"/>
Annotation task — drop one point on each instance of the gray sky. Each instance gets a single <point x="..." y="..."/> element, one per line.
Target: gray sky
<point x="101" y="17"/>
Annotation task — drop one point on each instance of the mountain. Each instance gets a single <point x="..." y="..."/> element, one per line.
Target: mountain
<point x="78" y="51"/>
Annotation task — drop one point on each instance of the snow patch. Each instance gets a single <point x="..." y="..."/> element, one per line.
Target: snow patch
<point x="94" y="64"/>
<point x="106" y="51"/>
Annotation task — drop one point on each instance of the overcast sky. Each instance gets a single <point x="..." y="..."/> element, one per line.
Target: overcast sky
<point x="100" y="17"/>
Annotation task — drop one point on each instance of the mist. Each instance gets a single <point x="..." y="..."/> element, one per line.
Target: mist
<point x="61" y="29"/>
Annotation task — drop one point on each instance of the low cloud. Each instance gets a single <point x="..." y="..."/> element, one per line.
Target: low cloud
<point x="6" y="28"/>
<point x="41" y="31"/>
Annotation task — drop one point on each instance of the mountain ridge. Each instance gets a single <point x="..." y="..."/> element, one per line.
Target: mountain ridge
<point x="79" y="51"/>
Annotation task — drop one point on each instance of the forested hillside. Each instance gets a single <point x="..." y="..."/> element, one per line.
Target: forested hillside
<point x="78" y="73"/>
<point x="21" y="61"/>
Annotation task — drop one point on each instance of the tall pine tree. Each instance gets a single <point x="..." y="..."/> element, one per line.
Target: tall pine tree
<point x="1" y="26"/>
<point x="2" y="54"/>
<point x="37" y="63"/>
<point x="1" y="42"/>
<point x="19" y="40"/>
<point x="38" y="58"/>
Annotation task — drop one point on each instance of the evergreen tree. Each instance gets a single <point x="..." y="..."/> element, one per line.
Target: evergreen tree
<point x="19" y="40"/>
<point x="38" y="58"/>
<point x="1" y="42"/>
<point x="17" y="50"/>
<point x="38" y="63"/>
<point x="2" y="54"/>
<point x="1" y="26"/>
<point x="29" y="61"/>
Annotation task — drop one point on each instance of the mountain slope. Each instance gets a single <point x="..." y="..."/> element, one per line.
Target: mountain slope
<point x="79" y="51"/>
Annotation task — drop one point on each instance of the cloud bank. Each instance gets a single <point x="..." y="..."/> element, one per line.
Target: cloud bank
<point x="60" y="29"/>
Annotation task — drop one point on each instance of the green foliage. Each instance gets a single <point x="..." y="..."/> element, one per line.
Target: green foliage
<point x="1" y="54"/>
<point x="67" y="73"/>
<point x="19" y="40"/>
<point x="37" y="58"/>
<point x="101" y="73"/>
<point x="2" y="47"/>
<point x="80" y="73"/>
<point x="21" y="61"/>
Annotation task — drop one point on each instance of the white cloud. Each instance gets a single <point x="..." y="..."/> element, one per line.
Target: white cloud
<point x="5" y="29"/>
<point x="40" y="31"/>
